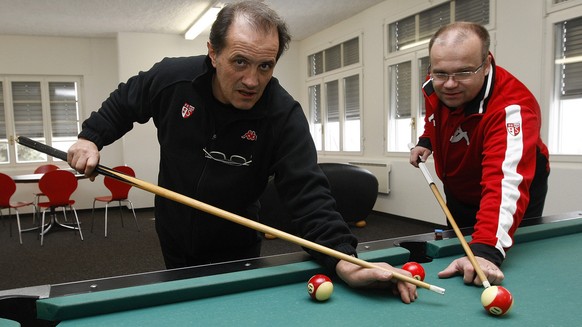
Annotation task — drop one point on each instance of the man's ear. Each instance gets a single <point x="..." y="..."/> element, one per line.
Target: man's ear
<point x="211" y="53"/>
<point x="488" y="64"/>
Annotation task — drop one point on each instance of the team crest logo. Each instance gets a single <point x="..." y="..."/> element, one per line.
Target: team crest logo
<point x="250" y="135"/>
<point x="514" y="128"/>
<point x="187" y="110"/>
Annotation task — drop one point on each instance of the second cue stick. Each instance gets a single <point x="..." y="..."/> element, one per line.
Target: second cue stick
<point x="180" y="198"/>
<point x="451" y="220"/>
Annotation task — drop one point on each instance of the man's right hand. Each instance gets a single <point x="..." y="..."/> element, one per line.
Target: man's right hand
<point x="419" y="152"/>
<point x="83" y="156"/>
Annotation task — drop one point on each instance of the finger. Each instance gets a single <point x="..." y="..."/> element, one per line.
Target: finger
<point x="469" y="276"/>
<point x="450" y="271"/>
<point x="495" y="276"/>
<point x="405" y="295"/>
<point x="90" y="166"/>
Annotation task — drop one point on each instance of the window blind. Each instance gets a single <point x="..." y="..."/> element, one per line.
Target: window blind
<point x="351" y="51"/>
<point x="314" y="103"/>
<point x="570" y="52"/>
<point x="27" y="103"/>
<point x="2" y="114"/>
<point x="64" y="111"/>
<point x="402" y="89"/>
<point x="476" y="11"/>
<point x="429" y="21"/>
<point x="406" y="31"/>
<point x="332" y="98"/>
<point x="333" y="58"/>
<point x="352" y="97"/>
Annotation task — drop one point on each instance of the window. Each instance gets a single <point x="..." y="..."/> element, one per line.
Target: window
<point x="334" y="93"/>
<point x="406" y="65"/>
<point x="45" y="109"/>
<point x="3" y="135"/>
<point x="566" y="112"/>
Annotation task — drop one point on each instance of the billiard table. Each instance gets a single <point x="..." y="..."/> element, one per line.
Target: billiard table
<point x="541" y="272"/>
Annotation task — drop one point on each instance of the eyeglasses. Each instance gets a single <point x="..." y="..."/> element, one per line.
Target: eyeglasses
<point x="234" y="160"/>
<point x="460" y="76"/>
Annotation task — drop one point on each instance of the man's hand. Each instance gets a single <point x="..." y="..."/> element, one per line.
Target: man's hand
<point x="419" y="152"/>
<point x="358" y="277"/>
<point x="463" y="266"/>
<point x="83" y="156"/>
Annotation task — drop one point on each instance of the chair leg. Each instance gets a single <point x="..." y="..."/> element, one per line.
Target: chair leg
<point x="134" y="216"/>
<point x="18" y="224"/>
<point x="36" y="201"/>
<point x="65" y="214"/>
<point x="93" y="216"/>
<point x="106" y="207"/>
<point x="9" y="222"/>
<point x="42" y="231"/>
<point x="77" y="219"/>
<point x="120" y="213"/>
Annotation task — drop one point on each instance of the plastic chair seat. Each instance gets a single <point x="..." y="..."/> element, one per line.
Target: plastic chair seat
<point x="119" y="193"/>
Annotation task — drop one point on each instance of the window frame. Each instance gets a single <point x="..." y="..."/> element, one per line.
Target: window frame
<point x="416" y="116"/>
<point x="339" y="75"/>
<point x="322" y="81"/>
<point x="47" y="123"/>
<point x="555" y="14"/>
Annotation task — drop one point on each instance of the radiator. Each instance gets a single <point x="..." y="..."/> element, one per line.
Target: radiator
<point x="380" y="170"/>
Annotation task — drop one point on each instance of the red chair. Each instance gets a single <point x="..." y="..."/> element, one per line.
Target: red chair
<point x="119" y="192"/>
<point x="42" y="169"/>
<point x="58" y="186"/>
<point x="7" y="189"/>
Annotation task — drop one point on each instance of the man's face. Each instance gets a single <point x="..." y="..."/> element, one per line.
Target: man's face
<point x="448" y="56"/>
<point x="245" y="65"/>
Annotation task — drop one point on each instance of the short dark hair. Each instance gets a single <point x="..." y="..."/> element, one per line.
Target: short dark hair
<point x="464" y="29"/>
<point x="258" y="14"/>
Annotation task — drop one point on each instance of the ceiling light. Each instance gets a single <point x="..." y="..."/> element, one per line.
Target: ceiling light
<point x="202" y="23"/>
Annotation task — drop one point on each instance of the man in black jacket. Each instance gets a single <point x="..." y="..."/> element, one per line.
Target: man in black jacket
<point x="224" y="126"/>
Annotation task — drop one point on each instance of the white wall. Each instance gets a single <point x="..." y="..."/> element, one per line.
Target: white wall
<point x="519" y="46"/>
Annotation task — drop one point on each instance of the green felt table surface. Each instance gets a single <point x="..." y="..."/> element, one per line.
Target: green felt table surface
<point x="8" y="323"/>
<point x="541" y="272"/>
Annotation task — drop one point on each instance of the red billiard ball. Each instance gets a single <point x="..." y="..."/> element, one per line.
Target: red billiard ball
<point x="415" y="269"/>
<point x="320" y="287"/>
<point x="497" y="300"/>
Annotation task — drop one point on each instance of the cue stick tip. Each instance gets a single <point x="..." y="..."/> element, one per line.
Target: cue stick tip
<point x="437" y="289"/>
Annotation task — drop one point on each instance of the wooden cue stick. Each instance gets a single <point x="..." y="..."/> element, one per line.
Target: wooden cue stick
<point x="180" y="198"/>
<point x="451" y="220"/>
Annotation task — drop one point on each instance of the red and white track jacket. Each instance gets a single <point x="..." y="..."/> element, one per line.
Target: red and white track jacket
<point x="485" y="153"/>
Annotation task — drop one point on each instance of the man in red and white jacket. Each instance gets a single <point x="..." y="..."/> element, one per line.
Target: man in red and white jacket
<point x="482" y="126"/>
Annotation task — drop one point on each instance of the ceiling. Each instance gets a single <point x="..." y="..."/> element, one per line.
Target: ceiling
<point x="104" y="18"/>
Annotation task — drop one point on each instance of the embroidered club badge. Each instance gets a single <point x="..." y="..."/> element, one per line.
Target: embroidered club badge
<point x="514" y="128"/>
<point x="250" y="135"/>
<point x="187" y="110"/>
